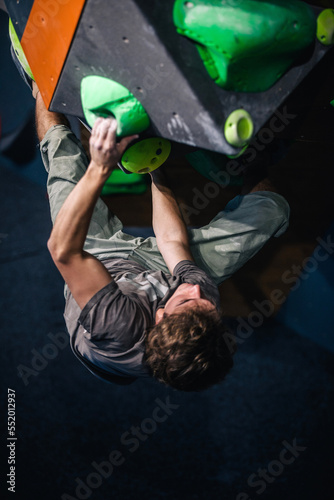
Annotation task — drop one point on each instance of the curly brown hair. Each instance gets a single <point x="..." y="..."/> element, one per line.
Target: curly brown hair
<point x="188" y="351"/>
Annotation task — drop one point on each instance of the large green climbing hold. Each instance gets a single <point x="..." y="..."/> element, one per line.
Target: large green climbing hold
<point x="102" y="97"/>
<point x="247" y="45"/>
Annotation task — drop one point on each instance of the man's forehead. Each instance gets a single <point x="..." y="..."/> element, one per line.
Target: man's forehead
<point x="197" y="301"/>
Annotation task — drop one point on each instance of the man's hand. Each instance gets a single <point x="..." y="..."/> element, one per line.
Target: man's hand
<point x="105" y="151"/>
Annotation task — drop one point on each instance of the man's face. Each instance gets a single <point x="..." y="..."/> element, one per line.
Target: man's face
<point x="186" y="296"/>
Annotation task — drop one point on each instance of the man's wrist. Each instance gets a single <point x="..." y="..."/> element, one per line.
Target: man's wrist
<point x="98" y="173"/>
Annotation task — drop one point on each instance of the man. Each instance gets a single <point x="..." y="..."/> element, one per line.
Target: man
<point x="139" y="307"/>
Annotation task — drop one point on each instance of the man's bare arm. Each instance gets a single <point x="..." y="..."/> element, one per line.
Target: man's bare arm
<point x="45" y="119"/>
<point x="168" y="225"/>
<point x="84" y="274"/>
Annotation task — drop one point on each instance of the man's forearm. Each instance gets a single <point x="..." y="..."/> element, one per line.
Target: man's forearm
<point x="71" y="226"/>
<point x="46" y="119"/>
<point x="168" y="223"/>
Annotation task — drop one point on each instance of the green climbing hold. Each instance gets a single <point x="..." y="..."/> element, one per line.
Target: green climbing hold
<point x="146" y="155"/>
<point x="122" y="183"/>
<point x="239" y="128"/>
<point x="248" y="45"/>
<point x="325" y="27"/>
<point x="102" y="97"/>
<point x="18" y="50"/>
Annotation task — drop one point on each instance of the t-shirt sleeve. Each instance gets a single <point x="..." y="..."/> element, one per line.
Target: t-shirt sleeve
<point x="189" y="272"/>
<point x="111" y="315"/>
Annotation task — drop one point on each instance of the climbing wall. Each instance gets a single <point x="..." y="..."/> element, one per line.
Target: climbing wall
<point x="170" y="57"/>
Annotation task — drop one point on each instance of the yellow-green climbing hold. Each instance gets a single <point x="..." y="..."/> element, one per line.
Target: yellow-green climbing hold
<point x="325" y="27"/>
<point x="146" y="155"/>
<point x="18" y="50"/>
<point x="239" y="128"/>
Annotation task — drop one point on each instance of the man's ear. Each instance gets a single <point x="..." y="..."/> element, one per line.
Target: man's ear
<point x="159" y="314"/>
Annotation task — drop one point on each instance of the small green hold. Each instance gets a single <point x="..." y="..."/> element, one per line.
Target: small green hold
<point x="239" y="128"/>
<point x="246" y="46"/>
<point x="102" y="97"/>
<point x="325" y="27"/>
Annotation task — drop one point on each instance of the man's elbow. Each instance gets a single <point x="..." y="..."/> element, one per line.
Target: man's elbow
<point x="171" y="240"/>
<point x="58" y="253"/>
<point x="171" y="236"/>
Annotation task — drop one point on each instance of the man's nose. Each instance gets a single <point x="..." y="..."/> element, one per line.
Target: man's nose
<point x="195" y="291"/>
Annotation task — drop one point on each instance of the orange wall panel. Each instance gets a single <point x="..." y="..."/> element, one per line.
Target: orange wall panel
<point x="47" y="38"/>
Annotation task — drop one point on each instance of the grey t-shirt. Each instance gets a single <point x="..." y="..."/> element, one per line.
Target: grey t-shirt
<point x="108" y="334"/>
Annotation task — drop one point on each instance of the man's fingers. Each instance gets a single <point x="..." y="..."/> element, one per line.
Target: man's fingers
<point x="103" y="141"/>
<point x="101" y="126"/>
<point x="111" y="132"/>
<point x="104" y="127"/>
<point x="95" y="126"/>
